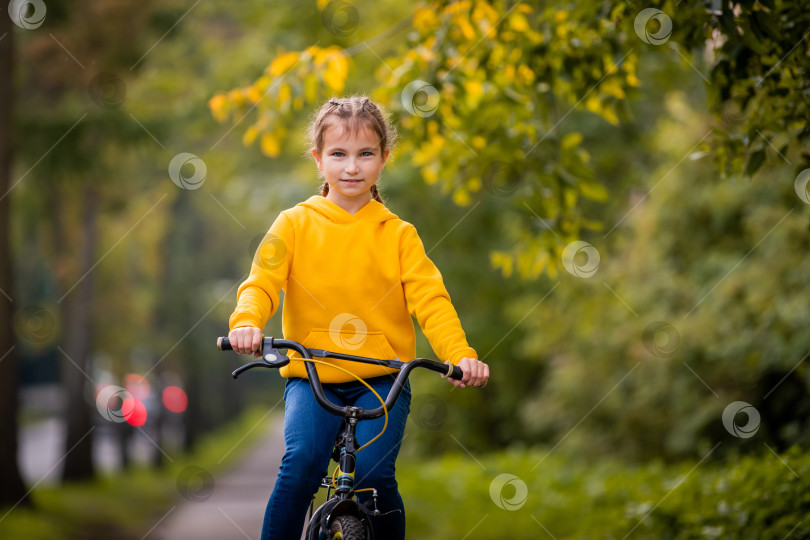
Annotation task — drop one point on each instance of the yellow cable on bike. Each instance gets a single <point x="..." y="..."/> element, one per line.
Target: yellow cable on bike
<point x="385" y="409"/>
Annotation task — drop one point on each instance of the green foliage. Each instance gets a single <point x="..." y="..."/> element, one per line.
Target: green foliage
<point x="754" y="497"/>
<point x="125" y="505"/>
<point x="696" y="305"/>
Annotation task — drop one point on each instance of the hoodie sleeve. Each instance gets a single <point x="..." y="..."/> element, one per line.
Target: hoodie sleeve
<point x="429" y="302"/>
<point x="258" y="297"/>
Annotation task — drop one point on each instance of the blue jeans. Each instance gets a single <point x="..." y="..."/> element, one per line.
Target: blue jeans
<point x="309" y="436"/>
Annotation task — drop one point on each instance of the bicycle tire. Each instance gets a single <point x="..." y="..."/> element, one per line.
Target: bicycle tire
<point x="347" y="528"/>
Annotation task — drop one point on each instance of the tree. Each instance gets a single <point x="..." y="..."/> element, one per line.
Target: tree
<point x="12" y="489"/>
<point x="477" y="71"/>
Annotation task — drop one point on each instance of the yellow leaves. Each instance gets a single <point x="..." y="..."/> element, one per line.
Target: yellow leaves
<point x="282" y="63"/>
<point x="613" y="88"/>
<point x="311" y="88"/>
<point x="502" y="260"/>
<point x="629" y="66"/>
<point x="437" y="142"/>
<point x="431" y="173"/>
<point x="466" y="28"/>
<point x="337" y="69"/>
<point x="594" y="104"/>
<point x="593" y="191"/>
<point x="609" y="114"/>
<point x="461" y="197"/>
<point x="250" y="135"/>
<point x="571" y="140"/>
<point x="485" y="17"/>
<point x="236" y="97"/>
<point x="524" y="75"/>
<point x="518" y="22"/>
<point x="475" y="91"/>
<point x="271" y="146"/>
<point x="509" y="72"/>
<point x="284" y="94"/>
<point x="425" y="20"/>
<point x="217" y="105"/>
<point x="254" y="94"/>
<point x="478" y="142"/>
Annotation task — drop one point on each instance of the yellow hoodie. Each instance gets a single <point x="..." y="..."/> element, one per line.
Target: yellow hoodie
<point x="351" y="283"/>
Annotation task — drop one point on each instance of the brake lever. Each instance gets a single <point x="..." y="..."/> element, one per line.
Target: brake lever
<point x="271" y="359"/>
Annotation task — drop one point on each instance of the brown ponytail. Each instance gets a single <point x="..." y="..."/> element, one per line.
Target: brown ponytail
<point x="375" y="193"/>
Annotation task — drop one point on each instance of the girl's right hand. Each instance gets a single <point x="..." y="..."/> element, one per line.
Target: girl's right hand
<point x="246" y="340"/>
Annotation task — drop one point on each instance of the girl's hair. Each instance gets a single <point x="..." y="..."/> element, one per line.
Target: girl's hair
<point x="353" y="113"/>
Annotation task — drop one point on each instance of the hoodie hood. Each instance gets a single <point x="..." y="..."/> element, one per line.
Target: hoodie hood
<point x="373" y="211"/>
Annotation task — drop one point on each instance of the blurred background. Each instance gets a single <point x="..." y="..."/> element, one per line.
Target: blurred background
<point x="616" y="194"/>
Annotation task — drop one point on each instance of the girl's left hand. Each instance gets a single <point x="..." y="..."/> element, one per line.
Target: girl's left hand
<point x="476" y="373"/>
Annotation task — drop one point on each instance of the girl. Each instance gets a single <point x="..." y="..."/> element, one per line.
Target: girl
<point x="353" y="274"/>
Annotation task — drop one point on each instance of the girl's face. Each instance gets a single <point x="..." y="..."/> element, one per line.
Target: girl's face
<point x="350" y="165"/>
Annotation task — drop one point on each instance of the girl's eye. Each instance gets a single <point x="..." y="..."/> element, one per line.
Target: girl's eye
<point x="368" y="153"/>
<point x="336" y="154"/>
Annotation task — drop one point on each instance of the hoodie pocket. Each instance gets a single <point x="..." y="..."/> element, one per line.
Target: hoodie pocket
<point x="371" y="344"/>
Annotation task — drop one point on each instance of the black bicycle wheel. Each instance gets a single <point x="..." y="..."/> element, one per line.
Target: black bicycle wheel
<point x="347" y="528"/>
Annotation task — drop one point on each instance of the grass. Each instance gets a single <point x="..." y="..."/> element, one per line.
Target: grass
<point x="125" y="505"/>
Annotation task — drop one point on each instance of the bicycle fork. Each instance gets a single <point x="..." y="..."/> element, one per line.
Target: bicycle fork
<point x="342" y="503"/>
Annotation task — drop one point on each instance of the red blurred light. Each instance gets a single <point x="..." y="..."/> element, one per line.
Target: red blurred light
<point x="137" y="385"/>
<point x="175" y="399"/>
<point x="134" y="411"/>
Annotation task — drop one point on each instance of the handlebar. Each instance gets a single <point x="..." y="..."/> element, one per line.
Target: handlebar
<point x="272" y="358"/>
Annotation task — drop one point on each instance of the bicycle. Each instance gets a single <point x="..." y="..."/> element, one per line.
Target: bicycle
<point x="341" y="516"/>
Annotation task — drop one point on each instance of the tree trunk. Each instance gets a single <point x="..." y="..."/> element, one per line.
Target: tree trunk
<point x="12" y="489"/>
<point x="78" y="317"/>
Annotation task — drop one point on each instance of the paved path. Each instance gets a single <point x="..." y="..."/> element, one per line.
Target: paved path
<point x="235" y="508"/>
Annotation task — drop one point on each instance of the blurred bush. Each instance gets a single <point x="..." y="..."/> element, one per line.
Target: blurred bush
<point x="535" y="495"/>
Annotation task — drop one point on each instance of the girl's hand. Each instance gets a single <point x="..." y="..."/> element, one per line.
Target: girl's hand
<point x="476" y="373"/>
<point x="246" y="340"/>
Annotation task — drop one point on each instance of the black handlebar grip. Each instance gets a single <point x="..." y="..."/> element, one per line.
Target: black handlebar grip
<point x="224" y="344"/>
<point x="457" y="374"/>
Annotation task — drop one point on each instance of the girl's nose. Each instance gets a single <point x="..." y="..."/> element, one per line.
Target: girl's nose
<point x="351" y="165"/>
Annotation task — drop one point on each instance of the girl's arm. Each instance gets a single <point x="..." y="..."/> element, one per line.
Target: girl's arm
<point x="258" y="297"/>
<point x="428" y="301"/>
